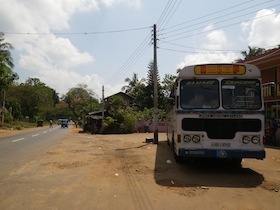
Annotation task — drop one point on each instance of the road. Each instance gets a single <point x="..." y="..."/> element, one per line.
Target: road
<point x="83" y="171"/>
<point x="18" y="149"/>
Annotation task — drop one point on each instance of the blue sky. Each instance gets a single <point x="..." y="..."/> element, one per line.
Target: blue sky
<point x="101" y="42"/>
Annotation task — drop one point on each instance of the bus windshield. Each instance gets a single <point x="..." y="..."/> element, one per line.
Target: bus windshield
<point x="241" y="94"/>
<point x="199" y="94"/>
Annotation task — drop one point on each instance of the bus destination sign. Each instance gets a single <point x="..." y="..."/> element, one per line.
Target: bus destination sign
<point x="219" y="69"/>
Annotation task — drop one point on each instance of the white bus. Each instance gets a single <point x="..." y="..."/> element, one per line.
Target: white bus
<point x="217" y="112"/>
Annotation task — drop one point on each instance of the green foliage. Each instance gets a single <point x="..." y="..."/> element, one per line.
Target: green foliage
<point x="122" y="118"/>
<point x="253" y="51"/>
<point x="32" y="99"/>
<point x="148" y="114"/>
<point x="7" y="76"/>
<point x="128" y="123"/>
<point x="80" y="101"/>
<point x="167" y="84"/>
<point x="148" y="93"/>
<point x="19" y="125"/>
<point x="109" y="125"/>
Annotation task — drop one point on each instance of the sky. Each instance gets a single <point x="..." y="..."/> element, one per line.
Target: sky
<point x="99" y="43"/>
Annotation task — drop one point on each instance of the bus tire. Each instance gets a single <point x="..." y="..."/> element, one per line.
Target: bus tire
<point x="168" y="142"/>
<point x="237" y="161"/>
<point x="178" y="159"/>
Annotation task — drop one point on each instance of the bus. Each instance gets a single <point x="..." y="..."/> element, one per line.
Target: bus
<point x="217" y="111"/>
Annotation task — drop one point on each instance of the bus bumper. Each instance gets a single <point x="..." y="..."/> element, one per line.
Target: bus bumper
<point x="221" y="153"/>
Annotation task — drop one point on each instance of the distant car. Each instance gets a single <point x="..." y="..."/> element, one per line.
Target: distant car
<point x="59" y="121"/>
<point x="64" y="123"/>
<point x="40" y="123"/>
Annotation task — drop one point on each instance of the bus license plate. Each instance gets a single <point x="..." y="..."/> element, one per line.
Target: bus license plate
<point x="218" y="144"/>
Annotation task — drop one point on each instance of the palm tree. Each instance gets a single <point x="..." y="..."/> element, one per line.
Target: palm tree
<point x="253" y="51"/>
<point x="132" y="84"/>
<point x="7" y="76"/>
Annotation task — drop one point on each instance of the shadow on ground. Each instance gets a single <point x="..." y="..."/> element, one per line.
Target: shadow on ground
<point x="201" y="173"/>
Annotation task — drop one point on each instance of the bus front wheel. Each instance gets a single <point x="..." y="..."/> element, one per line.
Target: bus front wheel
<point x="237" y="161"/>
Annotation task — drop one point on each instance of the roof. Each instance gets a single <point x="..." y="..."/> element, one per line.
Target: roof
<point x="120" y="94"/>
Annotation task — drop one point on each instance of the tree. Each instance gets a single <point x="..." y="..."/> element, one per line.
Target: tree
<point x="167" y="84"/>
<point x="135" y="88"/>
<point x="7" y="76"/>
<point x="122" y="118"/>
<point x="253" y="51"/>
<point x="148" y="95"/>
<point x="32" y="99"/>
<point x="81" y="100"/>
<point x="133" y="84"/>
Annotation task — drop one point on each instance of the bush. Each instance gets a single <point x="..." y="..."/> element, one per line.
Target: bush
<point x="108" y="125"/>
<point x="128" y="124"/>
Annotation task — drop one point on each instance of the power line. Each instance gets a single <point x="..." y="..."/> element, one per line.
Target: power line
<point x="183" y="37"/>
<point x="219" y="11"/>
<point x="234" y="12"/>
<point x="200" y="52"/>
<point x="143" y="47"/>
<point x="159" y="22"/>
<point x="195" y="48"/>
<point x="133" y="58"/>
<point x="169" y="12"/>
<point x="76" y="33"/>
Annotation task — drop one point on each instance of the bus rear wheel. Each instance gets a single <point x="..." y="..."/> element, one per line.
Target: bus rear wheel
<point x="236" y="161"/>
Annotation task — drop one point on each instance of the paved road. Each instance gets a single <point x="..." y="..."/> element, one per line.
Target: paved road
<point x="17" y="150"/>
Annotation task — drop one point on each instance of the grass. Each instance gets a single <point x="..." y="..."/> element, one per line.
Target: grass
<point x="19" y="125"/>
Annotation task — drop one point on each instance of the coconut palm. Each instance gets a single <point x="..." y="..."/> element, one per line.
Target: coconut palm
<point x="253" y="51"/>
<point x="7" y="76"/>
<point x="132" y="84"/>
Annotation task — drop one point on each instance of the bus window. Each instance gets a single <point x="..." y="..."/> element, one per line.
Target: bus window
<point x="241" y="94"/>
<point x="199" y="94"/>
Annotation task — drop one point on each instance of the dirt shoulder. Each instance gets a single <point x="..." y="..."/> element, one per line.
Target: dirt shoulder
<point x="9" y="132"/>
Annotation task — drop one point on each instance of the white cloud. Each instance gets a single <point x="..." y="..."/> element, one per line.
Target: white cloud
<point x="208" y="28"/>
<point x="217" y="36"/>
<point x="216" y="40"/>
<point x="46" y="56"/>
<point x="51" y="52"/>
<point x="206" y="57"/>
<point x="41" y="16"/>
<point x="264" y="29"/>
<point x="109" y="3"/>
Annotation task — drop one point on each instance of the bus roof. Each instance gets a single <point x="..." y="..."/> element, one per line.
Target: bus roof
<point x="227" y="70"/>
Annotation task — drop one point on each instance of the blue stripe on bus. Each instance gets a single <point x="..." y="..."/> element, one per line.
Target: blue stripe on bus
<point x="218" y="112"/>
<point x="221" y="153"/>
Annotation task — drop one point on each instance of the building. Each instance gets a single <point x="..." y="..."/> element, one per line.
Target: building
<point x="93" y="120"/>
<point x="269" y="64"/>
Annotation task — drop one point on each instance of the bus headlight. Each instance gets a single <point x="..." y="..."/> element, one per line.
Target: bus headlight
<point x="255" y="139"/>
<point x="187" y="138"/>
<point x="196" y="139"/>
<point x="246" y="139"/>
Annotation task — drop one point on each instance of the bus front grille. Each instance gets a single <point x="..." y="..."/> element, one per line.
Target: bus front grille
<point x="221" y="128"/>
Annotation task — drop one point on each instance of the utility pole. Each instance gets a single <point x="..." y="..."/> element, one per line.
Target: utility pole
<point x="155" y="141"/>
<point x="3" y="108"/>
<point x="102" y="104"/>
